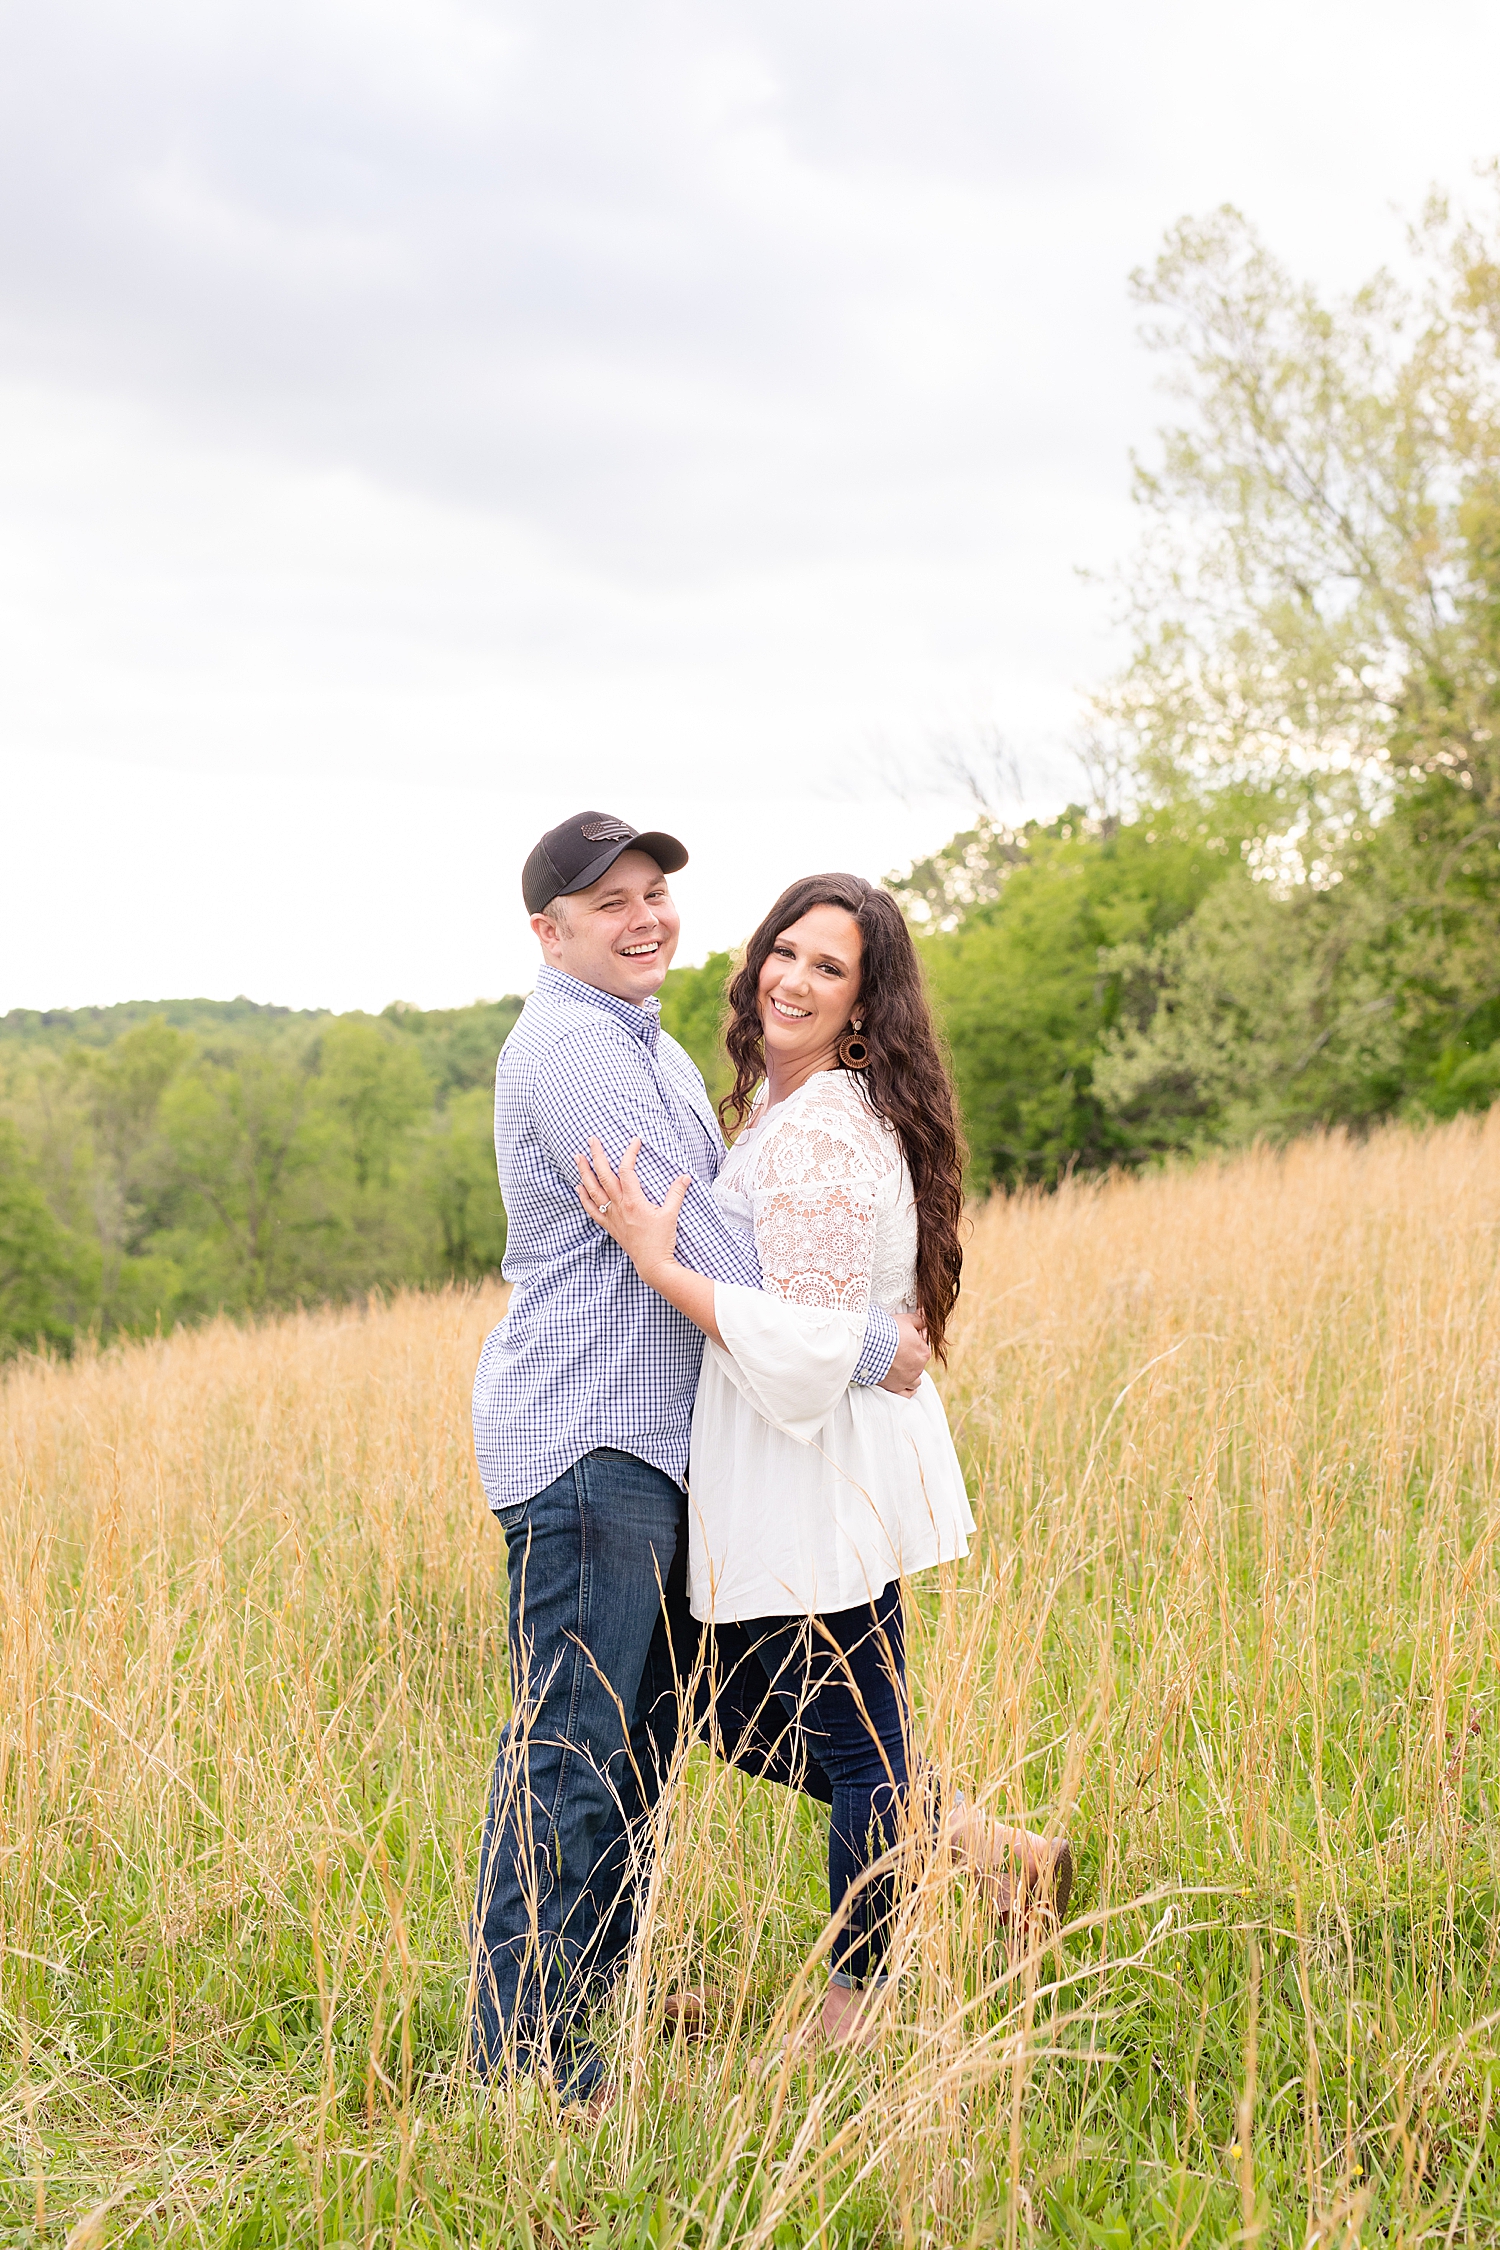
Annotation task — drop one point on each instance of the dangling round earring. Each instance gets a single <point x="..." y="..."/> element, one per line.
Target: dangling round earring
<point x="854" y="1052"/>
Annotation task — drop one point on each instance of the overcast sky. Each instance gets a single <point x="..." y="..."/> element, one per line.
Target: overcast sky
<point x="421" y="420"/>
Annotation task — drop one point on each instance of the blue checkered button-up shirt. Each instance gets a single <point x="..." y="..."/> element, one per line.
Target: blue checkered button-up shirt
<point x="587" y="1355"/>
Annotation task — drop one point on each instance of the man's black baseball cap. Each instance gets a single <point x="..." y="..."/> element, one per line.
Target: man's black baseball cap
<point x="578" y="851"/>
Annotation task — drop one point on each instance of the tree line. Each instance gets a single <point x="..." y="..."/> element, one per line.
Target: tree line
<point x="157" y="1165"/>
<point x="1278" y="908"/>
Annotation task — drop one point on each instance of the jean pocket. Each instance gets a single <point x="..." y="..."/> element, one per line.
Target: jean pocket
<point x="508" y="1518"/>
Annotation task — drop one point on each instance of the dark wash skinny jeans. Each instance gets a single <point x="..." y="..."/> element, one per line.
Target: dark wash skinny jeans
<point x="840" y="1681"/>
<point x="601" y="1644"/>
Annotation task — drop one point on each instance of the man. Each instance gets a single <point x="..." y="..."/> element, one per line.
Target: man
<point x="583" y="1406"/>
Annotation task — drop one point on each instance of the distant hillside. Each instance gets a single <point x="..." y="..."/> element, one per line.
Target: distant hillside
<point x="161" y="1160"/>
<point x="457" y="1046"/>
<point x="165" y="1159"/>
<point x="99" y="1027"/>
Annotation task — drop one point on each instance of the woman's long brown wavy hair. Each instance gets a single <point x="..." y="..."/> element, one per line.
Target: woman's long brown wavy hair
<point x="907" y="1081"/>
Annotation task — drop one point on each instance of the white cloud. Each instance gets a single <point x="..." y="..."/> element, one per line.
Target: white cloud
<point x="548" y="403"/>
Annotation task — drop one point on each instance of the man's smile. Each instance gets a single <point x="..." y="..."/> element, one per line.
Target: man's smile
<point x="648" y="945"/>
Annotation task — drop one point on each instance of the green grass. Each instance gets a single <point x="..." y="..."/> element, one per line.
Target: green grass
<point x="1233" y="1620"/>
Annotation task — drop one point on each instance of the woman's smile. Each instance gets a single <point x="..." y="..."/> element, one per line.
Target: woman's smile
<point x="808" y="989"/>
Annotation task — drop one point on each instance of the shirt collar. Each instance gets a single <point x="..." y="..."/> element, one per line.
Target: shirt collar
<point x="642" y="1021"/>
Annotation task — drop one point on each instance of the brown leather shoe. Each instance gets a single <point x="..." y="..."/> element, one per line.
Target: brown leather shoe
<point x="686" y="2012"/>
<point x="1056" y="1887"/>
<point x="1049" y="1888"/>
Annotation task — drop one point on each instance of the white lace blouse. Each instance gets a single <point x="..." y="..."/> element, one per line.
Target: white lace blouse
<point x="807" y="1495"/>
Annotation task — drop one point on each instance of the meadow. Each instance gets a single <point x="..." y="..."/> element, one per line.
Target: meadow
<point x="1232" y="1620"/>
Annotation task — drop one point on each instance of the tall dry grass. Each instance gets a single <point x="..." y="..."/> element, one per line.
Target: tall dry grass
<point x="1231" y="1619"/>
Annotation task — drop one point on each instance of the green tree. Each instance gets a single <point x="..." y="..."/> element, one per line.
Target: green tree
<point x="456" y="1171"/>
<point x="1306" y="544"/>
<point x="243" y="1147"/>
<point x="131" y="1171"/>
<point x="939" y="892"/>
<point x="1317" y="615"/>
<point x="458" y="1046"/>
<point x="125" y="1085"/>
<point x="1024" y="1000"/>
<point x="692" y="1009"/>
<point x="44" y="1271"/>
<point x="374" y="1084"/>
<point x="240" y="1157"/>
<point x="1261" y="1013"/>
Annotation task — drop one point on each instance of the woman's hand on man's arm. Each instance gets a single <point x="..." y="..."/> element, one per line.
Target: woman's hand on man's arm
<point x="646" y="1231"/>
<point x="584" y="1092"/>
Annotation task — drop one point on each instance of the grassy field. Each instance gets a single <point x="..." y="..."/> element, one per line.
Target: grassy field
<point x="1232" y="1618"/>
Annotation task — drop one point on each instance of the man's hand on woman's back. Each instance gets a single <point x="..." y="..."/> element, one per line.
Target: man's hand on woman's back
<point x="912" y="1354"/>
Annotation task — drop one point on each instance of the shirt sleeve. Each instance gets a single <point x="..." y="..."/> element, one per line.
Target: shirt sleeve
<point x="578" y="1100"/>
<point x="815" y="1237"/>
<point x="879" y="1348"/>
<point x="797" y="1342"/>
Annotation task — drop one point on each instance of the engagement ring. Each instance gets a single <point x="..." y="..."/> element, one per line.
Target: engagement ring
<point x="602" y="1209"/>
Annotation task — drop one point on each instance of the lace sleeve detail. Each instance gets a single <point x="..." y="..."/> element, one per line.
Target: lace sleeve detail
<point x="816" y="1246"/>
<point x="813" y="1192"/>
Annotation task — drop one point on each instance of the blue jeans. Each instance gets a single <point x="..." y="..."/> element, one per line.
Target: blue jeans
<point x="601" y="1644"/>
<point x="840" y="1680"/>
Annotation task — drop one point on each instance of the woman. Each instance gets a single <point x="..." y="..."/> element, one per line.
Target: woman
<point x="812" y="1499"/>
